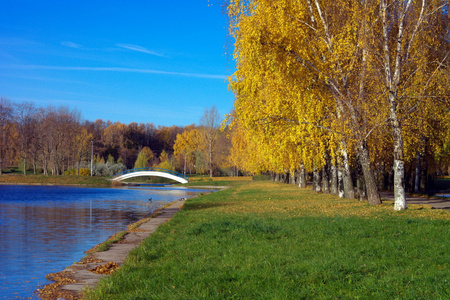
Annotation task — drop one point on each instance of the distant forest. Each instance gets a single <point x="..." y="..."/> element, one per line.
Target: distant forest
<point x="57" y="141"/>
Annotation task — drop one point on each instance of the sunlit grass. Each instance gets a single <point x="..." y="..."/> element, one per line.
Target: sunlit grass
<point x="224" y="178"/>
<point x="262" y="240"/>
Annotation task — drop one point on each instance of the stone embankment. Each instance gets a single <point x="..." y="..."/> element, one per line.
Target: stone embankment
<point x="70" y="283"/>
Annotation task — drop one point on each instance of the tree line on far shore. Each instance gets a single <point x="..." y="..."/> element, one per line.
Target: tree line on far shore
<point x="57" y="141"/>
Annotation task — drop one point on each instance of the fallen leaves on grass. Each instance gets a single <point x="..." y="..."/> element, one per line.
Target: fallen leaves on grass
<point x="291" y="201"/>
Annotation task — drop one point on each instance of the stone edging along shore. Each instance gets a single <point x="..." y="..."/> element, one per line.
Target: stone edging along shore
<point x="70" y="283"/>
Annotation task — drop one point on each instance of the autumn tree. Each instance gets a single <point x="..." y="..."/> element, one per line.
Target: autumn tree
<point x="6" y="113"/>
<point x="165" y="161"/>
<point x="143" y="158"/>
<point x="185" y="147"/>
<point x="311" y="69"/>
<point x="244" y="152"/>
<point x="82" y="147"/>
<point x="25" y="117"/>
<point x="412" y="42"/>
<point x="209" y="123"/>
<point x="286" y="79"/>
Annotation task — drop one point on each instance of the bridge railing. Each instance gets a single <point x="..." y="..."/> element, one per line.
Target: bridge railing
<point x="151" y="169"/>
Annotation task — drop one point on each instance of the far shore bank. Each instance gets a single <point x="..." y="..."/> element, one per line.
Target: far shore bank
<point x="54" y="180"/>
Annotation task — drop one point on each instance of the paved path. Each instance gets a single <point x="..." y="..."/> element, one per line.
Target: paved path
<point x="117" y="253"/>
<point x="434" y="202"/>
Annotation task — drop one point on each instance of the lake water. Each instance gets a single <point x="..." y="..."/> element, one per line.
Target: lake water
<point x="44" y="229"/>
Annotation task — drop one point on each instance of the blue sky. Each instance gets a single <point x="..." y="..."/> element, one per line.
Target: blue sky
<point x="155" y="61"/>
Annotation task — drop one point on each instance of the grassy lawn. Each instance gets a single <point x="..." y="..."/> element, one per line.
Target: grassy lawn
<point x="264" y="240"/>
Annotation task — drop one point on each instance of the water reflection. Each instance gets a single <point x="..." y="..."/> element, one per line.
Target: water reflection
<point x="46" y="228"/>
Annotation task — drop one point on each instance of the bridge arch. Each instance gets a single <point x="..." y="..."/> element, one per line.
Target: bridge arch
<point x="158" y="172"/>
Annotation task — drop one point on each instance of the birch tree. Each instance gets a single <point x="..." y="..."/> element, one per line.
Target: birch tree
<point x="312" y="52"/>
<point x="409" y="31"/>
<point x="320" y="64"/>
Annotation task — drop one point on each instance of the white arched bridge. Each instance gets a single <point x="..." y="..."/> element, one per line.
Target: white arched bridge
<point x="158" y="172"/>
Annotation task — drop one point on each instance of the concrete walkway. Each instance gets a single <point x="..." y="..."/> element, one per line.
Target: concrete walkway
<point x="434" y="202"/>
<point x="115" y="255"/>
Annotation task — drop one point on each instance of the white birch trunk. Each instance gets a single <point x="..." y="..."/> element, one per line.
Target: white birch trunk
<point x="340" y="176"/>
<point x="316" y="181"/>
<point x="302" y="177"/>
<point x="349" y="191"/>
<point x="392" y="77"/>
<point x="399" y="185"/>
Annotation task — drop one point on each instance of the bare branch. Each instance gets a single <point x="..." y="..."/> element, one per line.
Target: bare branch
<point x="419" y="22"/>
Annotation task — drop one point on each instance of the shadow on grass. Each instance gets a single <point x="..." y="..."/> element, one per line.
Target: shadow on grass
<point x="206" y="205"/>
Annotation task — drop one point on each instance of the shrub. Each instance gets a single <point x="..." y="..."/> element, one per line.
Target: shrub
<point x="108" y="169"/>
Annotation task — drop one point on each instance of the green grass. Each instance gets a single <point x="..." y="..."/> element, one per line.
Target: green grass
<point x="261" y="240"/>
<point x="261" y="177"/>
<point x="114" y="239"/>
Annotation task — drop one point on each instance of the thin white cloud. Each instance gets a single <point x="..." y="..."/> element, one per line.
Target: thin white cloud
<point x="71" y="44"/>
<point x="113" y="69"/>
<point x="138" y="49"/>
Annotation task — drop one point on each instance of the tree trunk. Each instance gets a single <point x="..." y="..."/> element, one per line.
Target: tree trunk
<point x="25" y="165"/>
<point x="381" y="176"/>
<point x="292" y="177"/>
<point x="277" y="177"/>
<point x="210" y="158"/>
<point x="424" y="182"/>
<point x="334" y="180"/>
<point x="302" y="177"/>
<point x="316" y="181"/>
<point x="399" y="171"/>
<point x="399" y="185"/>
<point x="392" y="72"/>
<point x="417" y="177"/>
<point x="340" y="176"/>
<point x="349" y="191"/>
<point x="399" y="163"/>
<point x="360" y="187"/>
<point x="325" y="181"/>
<point x="184" y="170"/>
<point x="360" y="184"/>
<point x="369" y="179"/>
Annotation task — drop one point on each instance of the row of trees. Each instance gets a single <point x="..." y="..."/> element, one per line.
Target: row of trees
<point x="347" y="89"/>
<point x="50" y="138"/>
<point x="55" y="140"/>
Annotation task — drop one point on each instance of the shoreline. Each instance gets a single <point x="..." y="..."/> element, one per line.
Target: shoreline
<point x="69" y="283"/>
